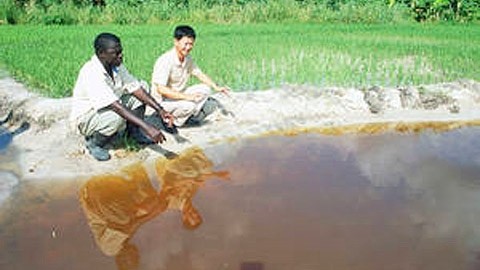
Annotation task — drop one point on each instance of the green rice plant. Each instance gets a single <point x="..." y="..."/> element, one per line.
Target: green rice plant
<point x="257" y="56"/>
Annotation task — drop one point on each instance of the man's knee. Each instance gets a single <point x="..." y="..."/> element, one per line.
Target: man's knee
<point x="200" y="89"/>
<point x="117" y="123"/>
<point x="184" y="108"/>
<point x="204" y="89"/>
<point x="109" y="123"/>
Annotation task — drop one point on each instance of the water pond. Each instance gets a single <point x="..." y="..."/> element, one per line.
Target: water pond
<point x="310" y="201"/>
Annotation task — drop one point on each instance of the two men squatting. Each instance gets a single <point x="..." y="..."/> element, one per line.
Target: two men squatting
<point x="108" y="100"/>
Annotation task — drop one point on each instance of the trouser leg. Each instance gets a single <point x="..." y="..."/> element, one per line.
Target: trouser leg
<point x="208" y="108"/>
<point x="105" y="121"/>
<point x="134" y="131"/>
<point x="100" y="126"/>
<point x="183" y="110"/>
<point x="96" y="145"/>
<point x="108" y="122"/>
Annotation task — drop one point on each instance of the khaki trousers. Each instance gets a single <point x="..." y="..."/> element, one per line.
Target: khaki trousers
<point x="184" y="109"/>
<point x="106" y="121"/>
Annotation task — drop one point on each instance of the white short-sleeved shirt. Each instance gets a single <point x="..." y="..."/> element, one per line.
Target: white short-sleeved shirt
<point x="169" y="71"/>
<point x="95" y="89"/>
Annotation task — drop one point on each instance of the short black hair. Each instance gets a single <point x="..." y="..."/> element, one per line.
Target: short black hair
<point x="184" y="31"/>
<point x="104" y="40"/>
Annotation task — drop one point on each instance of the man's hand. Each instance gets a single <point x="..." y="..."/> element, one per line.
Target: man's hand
<point x="204" y="78"/>
<point x="224" y="90"/>
<point x="155" y="134"/>
<point x="167" y="117"/>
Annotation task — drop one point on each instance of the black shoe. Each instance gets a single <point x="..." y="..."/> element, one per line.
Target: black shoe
<point x="193" y="122"/>
<point x="95" y="145"/>
<point x="208" y="108"/>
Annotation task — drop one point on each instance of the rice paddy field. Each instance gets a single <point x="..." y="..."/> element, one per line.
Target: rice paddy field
<point x="250" y="57"/>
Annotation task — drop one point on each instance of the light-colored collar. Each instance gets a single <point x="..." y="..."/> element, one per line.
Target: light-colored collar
<point x="177" y="61"/>
<point x="100" y="68"/>
<point x="98" y="64"/>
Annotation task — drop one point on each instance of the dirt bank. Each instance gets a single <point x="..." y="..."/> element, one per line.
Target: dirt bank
<point x="49" y="150"/>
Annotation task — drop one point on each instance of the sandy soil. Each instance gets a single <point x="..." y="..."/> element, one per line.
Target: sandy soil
<point x="50" y="150"/>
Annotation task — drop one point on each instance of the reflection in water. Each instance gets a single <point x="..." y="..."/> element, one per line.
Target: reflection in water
<point x="365" y="202"/>
<point x="181" y="178"/>
<point x="117" y="205"/>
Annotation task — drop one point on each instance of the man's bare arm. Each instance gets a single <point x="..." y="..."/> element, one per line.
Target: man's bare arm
<point x="204" y="78"/>
<point x="168" y="92"/>
<point x="146" y="98"/>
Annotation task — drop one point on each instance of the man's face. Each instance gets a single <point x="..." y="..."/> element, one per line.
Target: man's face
<point x="113" y="55"/>
<point x="184" y="45"/>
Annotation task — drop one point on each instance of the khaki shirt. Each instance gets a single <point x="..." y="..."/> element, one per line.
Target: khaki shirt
<point x="169" y="71"/>
<point x="95" y="89"/>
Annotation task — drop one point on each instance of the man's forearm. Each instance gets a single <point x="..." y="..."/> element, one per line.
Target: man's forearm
<point x="204" y="78"/>
<point x="151" y="131"/>
<point x="128" y="115"/>
<point x="146" y="98"/>
<point x="167" y="92"/>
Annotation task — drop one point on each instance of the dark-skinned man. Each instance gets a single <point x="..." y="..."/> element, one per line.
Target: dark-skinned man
<point x="107" y="99"/>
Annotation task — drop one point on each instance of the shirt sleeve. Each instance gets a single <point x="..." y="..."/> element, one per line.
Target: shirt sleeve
<point x="131" y="83"/>
<point x="195" y="70"/>
<point x="161" y="72"/>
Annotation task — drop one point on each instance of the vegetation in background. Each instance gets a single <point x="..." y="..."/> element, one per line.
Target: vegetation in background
<point x="66" y="12"/>
<point x="258" y="56"/>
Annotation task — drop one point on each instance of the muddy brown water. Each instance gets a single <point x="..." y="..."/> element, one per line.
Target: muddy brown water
<point x="356" y="201"/>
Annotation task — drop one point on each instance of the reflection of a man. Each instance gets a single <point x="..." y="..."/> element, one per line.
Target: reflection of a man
<point x="181" y="178"/>
<point x="117" y="205"/>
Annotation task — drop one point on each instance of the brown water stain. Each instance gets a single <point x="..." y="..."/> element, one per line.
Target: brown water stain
<point x="369" y="128"/>
<point x="378" y="128"/>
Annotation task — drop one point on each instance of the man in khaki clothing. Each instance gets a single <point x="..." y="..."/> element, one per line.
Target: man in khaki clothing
<point x="107" y="99"/>
<point x="172" y="70"/>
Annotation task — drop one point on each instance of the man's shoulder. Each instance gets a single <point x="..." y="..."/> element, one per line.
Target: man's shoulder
<point x="167" y="57"/>
<point x="122" y="69"/>
<point x="92" y="66"/>
<point x="189" y="59"/>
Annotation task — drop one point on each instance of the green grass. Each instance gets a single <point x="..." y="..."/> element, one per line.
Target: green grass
<point x="258" y="56"/>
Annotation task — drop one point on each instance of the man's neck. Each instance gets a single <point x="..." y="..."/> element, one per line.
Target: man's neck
<point x="180" y="56"/>
<point x="109" y="69"/>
